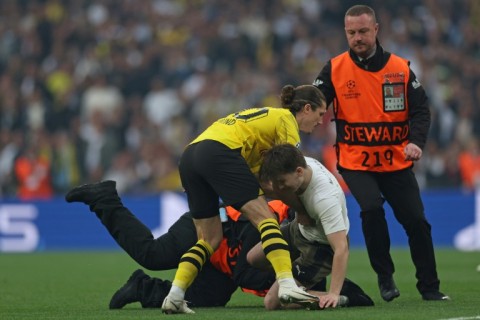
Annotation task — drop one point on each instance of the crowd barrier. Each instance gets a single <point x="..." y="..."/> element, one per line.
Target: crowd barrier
<point x="57" y="225"/>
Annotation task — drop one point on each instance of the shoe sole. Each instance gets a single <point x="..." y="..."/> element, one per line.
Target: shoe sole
<point x="169" y="311"/>
<point x="444" y="298"/>
<point x="307" y="302"/>
<point x="392" y="297"/>
<point x="175" y="310"/>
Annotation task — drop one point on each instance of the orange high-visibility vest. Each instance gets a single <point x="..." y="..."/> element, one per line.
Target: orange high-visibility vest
<point x="371" y="111"/>
<point x="276" y="206"/>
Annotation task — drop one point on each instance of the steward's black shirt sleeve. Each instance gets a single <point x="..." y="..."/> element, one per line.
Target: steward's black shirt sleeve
<point x="324" y="82"/>
<point x="418" y="111"/>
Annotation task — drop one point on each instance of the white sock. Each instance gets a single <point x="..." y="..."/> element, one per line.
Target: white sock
<point x="287" y="282"/>
<point x="176" y="293"/>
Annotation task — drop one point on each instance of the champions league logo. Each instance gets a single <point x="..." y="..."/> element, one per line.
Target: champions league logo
<point x="468" y="238"/>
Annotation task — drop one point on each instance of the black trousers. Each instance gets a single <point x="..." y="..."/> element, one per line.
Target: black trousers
<point x="211" y="287"/>
<point x="400" y="189"/>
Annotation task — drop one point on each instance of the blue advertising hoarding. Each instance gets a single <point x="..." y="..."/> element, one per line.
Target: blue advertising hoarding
<point x="57" y="225"/>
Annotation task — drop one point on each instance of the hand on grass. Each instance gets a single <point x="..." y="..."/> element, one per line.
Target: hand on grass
<point x="329" y="300"/>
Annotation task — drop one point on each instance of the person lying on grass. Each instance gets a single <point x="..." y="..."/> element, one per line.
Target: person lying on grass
<point x="219" y="278"/>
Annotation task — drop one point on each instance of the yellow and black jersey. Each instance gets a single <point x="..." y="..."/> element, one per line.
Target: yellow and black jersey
<point x="254" y="131"/>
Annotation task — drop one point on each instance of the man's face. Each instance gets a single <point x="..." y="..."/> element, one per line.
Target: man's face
<point x="312" y="118"/>
<point x="288" y="182"/>
<point x="361" y="32"/>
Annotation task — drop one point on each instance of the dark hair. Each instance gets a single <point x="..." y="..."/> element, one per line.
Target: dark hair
<point x="281" y="159"/>
<point x="295" y="98"/>
<point x="360" y="9"/>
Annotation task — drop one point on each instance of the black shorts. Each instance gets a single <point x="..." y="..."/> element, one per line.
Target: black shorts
<point x="210" y="171"/>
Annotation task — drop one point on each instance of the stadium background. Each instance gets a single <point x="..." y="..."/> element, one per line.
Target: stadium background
<point x="110" y="89"/>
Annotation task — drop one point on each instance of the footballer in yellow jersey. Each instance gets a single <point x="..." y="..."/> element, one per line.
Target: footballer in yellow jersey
<point x="220" y="163"/>
<point x="254" y="131"/>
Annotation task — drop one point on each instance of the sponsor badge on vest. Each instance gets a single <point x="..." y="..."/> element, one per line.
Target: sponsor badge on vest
<point x="393" y="97"/>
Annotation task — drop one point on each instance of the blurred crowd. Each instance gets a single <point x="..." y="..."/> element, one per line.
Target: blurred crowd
<point x="114" y="89"/>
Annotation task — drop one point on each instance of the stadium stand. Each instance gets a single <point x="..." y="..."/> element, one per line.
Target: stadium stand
<point x="113" y="89"/>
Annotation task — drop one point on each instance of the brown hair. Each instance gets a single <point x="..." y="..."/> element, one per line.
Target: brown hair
<point x="295" y="98"/>
<point x="360" y="9"/>
<point x="281" y="159"/>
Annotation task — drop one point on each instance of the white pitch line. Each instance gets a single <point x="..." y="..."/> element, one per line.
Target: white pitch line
<point x="462" y="318"/>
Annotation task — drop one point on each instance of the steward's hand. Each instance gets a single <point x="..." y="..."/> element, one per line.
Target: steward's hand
<point x="412" y="152"/>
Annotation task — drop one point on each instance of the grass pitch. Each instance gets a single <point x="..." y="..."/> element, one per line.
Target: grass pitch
<point x="79" y="285"/>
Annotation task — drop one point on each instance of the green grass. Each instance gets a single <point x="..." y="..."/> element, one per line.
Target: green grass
<point x="79" y="286"/>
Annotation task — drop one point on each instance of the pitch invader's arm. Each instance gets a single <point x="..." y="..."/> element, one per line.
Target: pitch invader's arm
<point x="338" y="242"/>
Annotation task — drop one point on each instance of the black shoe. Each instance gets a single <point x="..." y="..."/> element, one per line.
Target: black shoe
<point x="388" y="289"/>
<point x="128" y="293"/>
<point x="356" y="296"/>
<point x="435" y="296"/>
<point x="89" y="193"/>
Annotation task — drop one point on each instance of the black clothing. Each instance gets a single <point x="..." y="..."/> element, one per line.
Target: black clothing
<point x="208" y="170"/>
<point x="211" y="287"/>
<point x="400" y="190"/>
